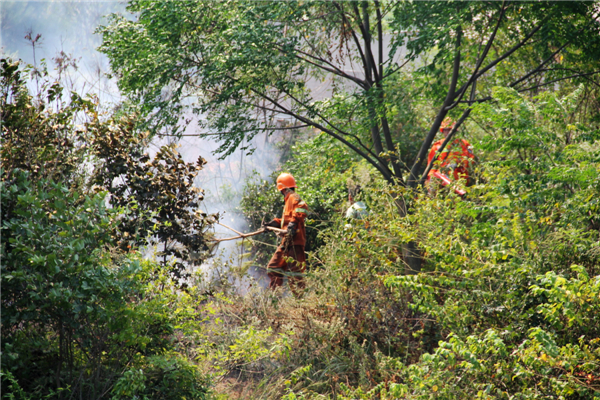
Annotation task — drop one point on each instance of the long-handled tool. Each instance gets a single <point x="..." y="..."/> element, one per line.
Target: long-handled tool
<point x="446" y="181"/>
<point x="245" y="235"/>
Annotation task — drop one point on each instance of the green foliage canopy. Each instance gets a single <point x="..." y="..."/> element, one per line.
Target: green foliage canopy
<point x="79" y="316"/>
<point x="243" y="65"/>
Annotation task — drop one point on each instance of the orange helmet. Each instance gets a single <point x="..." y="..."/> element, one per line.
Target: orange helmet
<point x="286" y="181"/>
<point x="447" y="123"/>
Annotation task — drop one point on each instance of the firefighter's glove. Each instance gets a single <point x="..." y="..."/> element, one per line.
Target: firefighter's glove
<point x="272" y="224"/>
<point x="291" y="229"/>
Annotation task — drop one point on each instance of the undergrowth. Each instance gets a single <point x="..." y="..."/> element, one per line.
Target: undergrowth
<point x="505" y="306"/>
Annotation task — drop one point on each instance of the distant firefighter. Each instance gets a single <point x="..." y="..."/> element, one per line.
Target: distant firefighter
<point x="357" y="210"/>
<point x="454" y="161"/>
<point x="289" y="256"/>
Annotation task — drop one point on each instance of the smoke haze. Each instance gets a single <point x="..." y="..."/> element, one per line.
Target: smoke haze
<point x="67" y="31"/>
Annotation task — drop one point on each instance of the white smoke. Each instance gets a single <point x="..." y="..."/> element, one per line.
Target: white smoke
<point x="67" y="32"/>
<point x="223" y="181"/>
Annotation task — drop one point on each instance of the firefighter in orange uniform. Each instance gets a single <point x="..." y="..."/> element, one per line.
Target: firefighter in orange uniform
<point x="292" y="245"/>
<point x="455" y="159"/>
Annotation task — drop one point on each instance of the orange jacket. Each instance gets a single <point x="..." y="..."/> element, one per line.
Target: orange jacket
<point x="457" y="155"/>
<point x="295" y="210"/>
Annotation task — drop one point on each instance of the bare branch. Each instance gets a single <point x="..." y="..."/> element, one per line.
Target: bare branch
<point x="309" y="122"/>
<point x="391" y="72"/>
<point x="513" y="49"/>
<point x="334" y="69"/>
<point x="561" y="79"/>
<point x="463" y="89"/>
<point x="379" y="164"/>
<point x="586" y="75"/>
<point x="539" y="67"/>
<point x="412" y="178"/>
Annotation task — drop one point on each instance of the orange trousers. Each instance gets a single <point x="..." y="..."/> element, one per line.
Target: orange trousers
<point x="292" y="260"/>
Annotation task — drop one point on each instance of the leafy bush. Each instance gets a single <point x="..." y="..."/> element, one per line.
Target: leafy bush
<point x="70" y="140"/>
<point x="168" y="377"/>
<point x="38" y="132"/>
<point x="510" y="276"/>
<point x="74" y="315"/>
<point x="160" y="192"/>
<point x="78" y="311"/>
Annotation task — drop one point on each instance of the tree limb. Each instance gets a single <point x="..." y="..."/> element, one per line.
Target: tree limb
<point x="513" y="49"/>
<point x="412" y="179"/>
<point x="560" y="79"/>
<point x="334" y="69"/>
<point x="310" y="123"/>
<point x="488" y="45"/>
<point x="379" y="38"/>
<point x="366" y="29"/>
<point x="539" y="67"/>
<point x="379" y="165"/>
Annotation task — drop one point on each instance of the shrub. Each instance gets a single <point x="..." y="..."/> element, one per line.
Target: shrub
<point x="167" y="377"/>
<point x="510" y="272"/>
<point x="77" y="311"/>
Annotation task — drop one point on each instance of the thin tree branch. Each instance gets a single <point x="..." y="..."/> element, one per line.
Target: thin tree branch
<point x="354" y="36"/>
<point x="551" y="57"/>
<point x="319" y="115"/>
<point x="471" y="102"/>
<point x="412" y="179"/>
<point x="391" y="72"/>
<point x="307" y="121"/>
<point x="488" y="98"/>
<point x="560" y="79"/>
<point x="334" y="69"/>
<point x="513" y="49"/>
<point x="379" y="165"/>
<point x="367" y="39"/>
<point x="463" y="89"/>
<point x="539" y="67"/>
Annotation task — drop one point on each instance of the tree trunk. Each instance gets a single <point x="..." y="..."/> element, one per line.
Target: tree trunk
<point x="412" y="258"/>
<point x="410" y="251"/>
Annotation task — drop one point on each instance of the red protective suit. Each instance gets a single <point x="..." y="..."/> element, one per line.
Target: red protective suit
<point x="295" y="210"/>
<point x="454" y="160"/>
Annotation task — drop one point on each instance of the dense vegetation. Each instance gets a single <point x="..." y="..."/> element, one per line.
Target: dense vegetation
<point x="504" y="304"/>
<point x="243" y="65"/>
<point x="83" y="313"/>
